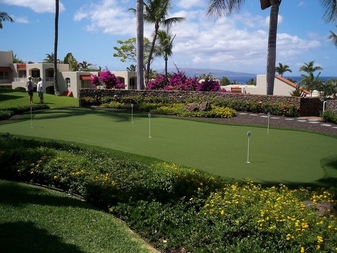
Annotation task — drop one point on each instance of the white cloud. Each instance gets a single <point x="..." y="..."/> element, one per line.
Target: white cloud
<point x="23" y="20"/>
<point x="39" y="6"/>
<point x="108" y="17"/>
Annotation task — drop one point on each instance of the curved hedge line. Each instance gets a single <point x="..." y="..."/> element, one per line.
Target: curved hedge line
<point x="177" y="209"/>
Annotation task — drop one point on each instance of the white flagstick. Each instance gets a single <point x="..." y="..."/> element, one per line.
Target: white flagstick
<point x="132" y="113"/>
<point x="149" y="115"/>
<point x="268" y="122"/>
<point x="31" y="117"/>
<point x="248" y="134"/>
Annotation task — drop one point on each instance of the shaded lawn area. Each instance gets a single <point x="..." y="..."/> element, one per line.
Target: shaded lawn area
<point x="34" y="219"/>
<point x="285" y="156"/>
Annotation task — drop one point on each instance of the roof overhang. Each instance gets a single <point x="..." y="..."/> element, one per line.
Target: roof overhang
<point x="85" y="78"/>
<point x="5" y="69"/>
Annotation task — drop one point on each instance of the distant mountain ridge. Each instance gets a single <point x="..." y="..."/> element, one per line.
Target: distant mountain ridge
<point x="216" y="72"/>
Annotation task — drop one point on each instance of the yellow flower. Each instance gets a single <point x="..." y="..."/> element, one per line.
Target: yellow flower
<point x="302" y="249"/>
<point x="55" y="177"/>
<point x="222" y="212"/>
<point x="319" y="239"/>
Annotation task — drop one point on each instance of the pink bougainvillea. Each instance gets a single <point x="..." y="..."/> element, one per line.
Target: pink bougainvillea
<point x="108" y="79"/>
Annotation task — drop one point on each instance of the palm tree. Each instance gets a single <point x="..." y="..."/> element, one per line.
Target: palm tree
<point x="155" y="12"/>
<point x="333" y="37"/>
<point x="140" y="44"/>
<point x="165" y="44"/>
<point x="57" y="10"/>
<point x="49" y="58"/>
<point x="281" y="69"/>
<point x="132" y="67"/>
<point x="219" y="7"/>
<point x="309" y="81"/>
<point x="84" y="66"/>
<point x="4" y="17"/>
<point x="330" y="10"/>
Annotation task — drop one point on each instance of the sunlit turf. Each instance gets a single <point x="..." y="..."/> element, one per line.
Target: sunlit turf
<point x="12" y="98"/>
<point x="33" y="219"/>
<point x="286" y="156"/>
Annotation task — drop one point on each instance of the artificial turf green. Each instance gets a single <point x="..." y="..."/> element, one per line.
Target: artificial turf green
<point x="285" y="156"/>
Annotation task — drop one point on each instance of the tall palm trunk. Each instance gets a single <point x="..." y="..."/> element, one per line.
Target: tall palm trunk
<point x="156" y="29"/>
<point x="140" y="44"/>
<point x="271" y="57"/>
<point x="57" y="10"/>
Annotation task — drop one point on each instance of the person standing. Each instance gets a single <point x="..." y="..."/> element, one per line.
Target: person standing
<point x="40" y="89"/>
<point x="30" y="89"/>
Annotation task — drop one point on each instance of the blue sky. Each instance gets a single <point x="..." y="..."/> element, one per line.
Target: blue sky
<point x="90" y="30"/>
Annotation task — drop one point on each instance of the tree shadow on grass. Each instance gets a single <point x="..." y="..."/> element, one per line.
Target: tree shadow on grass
<point x="14" y="194"/>
<point x="20" y="237"/>
<point x="329" y="165"/>
<point x="117" y="116"/>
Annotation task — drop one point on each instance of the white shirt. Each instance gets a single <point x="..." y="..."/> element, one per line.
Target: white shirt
<point x="40" y="86"/>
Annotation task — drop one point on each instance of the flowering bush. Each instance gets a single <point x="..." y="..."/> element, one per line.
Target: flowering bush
<point x="108" y="79"/>
<point x="177" y="81"/>
<point x="208" y="85"/>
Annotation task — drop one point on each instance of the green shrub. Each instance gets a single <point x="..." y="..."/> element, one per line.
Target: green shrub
<point x="177" y="208"/>
<point x="329" y="116"/>
<point x="6" y="114"/>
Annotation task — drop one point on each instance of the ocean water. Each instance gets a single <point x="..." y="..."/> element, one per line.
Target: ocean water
<point x="244" y="79"/>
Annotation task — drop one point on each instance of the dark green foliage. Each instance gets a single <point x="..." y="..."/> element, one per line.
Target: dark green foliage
<point x="330" y="116"/>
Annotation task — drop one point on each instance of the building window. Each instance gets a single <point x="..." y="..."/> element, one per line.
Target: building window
<point x="67" y="82"/>
<point x="4" y="76"/>
<point x="35" y="73"/>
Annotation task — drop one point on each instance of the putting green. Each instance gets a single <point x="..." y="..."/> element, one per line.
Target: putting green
<point x="285" y="156"/>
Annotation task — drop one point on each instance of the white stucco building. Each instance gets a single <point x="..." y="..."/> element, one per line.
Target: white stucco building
<point x="14" y="75"/>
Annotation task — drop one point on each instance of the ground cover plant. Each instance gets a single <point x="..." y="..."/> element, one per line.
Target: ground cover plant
<point x="177" y="208"/>
<point x="34" y="219"/>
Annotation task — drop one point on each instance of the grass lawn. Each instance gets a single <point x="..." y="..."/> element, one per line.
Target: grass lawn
<point x="287" y="156"/>
<point x="12" y="98"/>
<point x="33" y="219"/>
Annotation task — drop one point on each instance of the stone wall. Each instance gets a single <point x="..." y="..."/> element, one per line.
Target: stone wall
<point x="331" y="105"/>
<point x="309" y="106"/>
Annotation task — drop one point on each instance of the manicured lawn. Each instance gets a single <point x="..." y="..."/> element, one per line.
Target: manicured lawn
<point x="12" y="98"/>
<point x="285" y="156"/>
<point x="33" y="219"/>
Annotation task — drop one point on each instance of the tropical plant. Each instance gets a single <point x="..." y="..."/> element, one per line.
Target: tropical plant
<point x="309" y="81"/>
<point x="165" y="44"/>
<point x="85" y="66"/>
<point x="50" y="58"/>
<point x="16" y="59"/>
<point x="219" y="7"/>
<point x="224" y="81"/>
<point x="328" y="89"/>
<point x="132" y="67"/>
<point x="155" y="12"/>
<point x="108" y="79"/>
<point x="5" y="17"/>
<point x="128" y="51"/>
<point x="73" y="64"/>
<point x="281" y="69"/>
<point x="330" y="10"/>
<point x="333" y="37"/>
<point x="251" y="81"/>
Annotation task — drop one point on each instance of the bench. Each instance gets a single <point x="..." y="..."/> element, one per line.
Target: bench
<point x="236" y="90"/>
